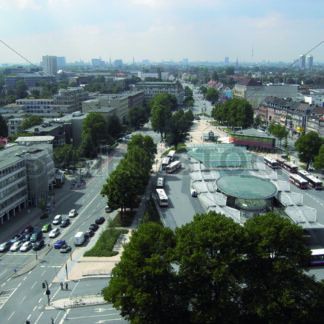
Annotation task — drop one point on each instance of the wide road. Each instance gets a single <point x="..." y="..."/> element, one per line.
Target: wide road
<point x="23" y="297"/>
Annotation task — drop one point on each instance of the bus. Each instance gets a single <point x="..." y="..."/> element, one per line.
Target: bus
<point x="313" y="182"/>
<point x="298" y="181"/>
<point x="317" y="257"/>
<point x="165" y="162"/>
<point x="171" y="155"/>
<point x="160" y="182"/>
<point x="162" y="198"/>
<point x="272" y="163"/>
<point x="280" y="162"/>
<point x="172" y="167"/>
<point x="290" y="167"/>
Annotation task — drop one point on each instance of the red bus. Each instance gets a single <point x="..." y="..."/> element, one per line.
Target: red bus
<point x="290" y="167"/>
<point x="298" y="181"/>
<point x="272" y="163"/>
<point x="172" y="167"/>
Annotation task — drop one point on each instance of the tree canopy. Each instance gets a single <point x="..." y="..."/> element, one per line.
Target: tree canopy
<point x="319" y="159"/>
<point x="66" y="155"/>
<point x="159" y="120"/>
<point x="212" y="95"/>
<point x="31" y="121"/>
<point x="136" y="116"/>
<point x="278" y="131"/>
<point x="234" y="113"/>
<point x="212" y="270"/>
<point x="308" y="146"/>
<point x="3" y="127"/>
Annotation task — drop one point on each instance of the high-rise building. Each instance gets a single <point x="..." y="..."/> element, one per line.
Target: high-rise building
<point x="302" y="62"/>
<point x="61" y="61"/>
<point x="49" y="64"/>
<point x="309" y="62"/>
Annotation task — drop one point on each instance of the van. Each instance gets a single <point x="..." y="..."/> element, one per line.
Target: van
<point x="79" y="238"/>
<point x="36" y="236"/>
<point x="159" y="182"/>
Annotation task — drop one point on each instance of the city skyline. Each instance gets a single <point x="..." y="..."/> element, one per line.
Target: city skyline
<point x="161" y="30"/>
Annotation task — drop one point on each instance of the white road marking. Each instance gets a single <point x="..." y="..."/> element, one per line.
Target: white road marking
<point x="34" y="284"/>
<point x="38" y="318"/>
<point x="12" y="314"/>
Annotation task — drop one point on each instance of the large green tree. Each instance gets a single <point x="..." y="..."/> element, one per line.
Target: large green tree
<point x="165" y="100"/>
<point x="212" y="95"/>
<point x="308" y="146"/>
<point x="178" y="127"/>
<point x="144" y="142"/>
<point x="160" y="117"/>
<point x="278" y="131"/>
<point x="115" y="128"/>
<point x="234" y="113"/>
<point x="319" y="159"/>
<point x="3" y="127"/>
<point x="136" y="116"/>
<point x="21" y="89"/>
<point x="31" y="121"/>
<point x="66" y="155"/>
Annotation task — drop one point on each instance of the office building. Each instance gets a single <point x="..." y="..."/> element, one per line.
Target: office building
<point x="49" y="64"/>
<point x="302" y="63"/>
<point x="309" y="62"/>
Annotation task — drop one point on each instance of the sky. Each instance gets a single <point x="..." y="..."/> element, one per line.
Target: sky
<point x="161" y="30"/>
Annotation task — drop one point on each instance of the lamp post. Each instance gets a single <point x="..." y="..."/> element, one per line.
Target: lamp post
<point x="47" y="292"/>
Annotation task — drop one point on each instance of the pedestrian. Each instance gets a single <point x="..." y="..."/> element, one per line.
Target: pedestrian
<point x="66" y="286"/>
<point x="61" y="283"/>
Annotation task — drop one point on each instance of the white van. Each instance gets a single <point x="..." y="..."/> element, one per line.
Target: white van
<point x="79" y="238"/>
<point x="159" y="182"/>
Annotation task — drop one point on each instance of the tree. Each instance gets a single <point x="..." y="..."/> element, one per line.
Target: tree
<point x="212" y="95"/>
<point x="136" y="116"/>
<point x="143" y="284"/>
<point x="165" y="100"/>
<point x="277" y="288"/>
<point x="257" y="121"/>
<point x="87" y="147"/>
<point x="31" y="121"/>
<point x="278" y="131"/>
<point x="115" y="128"/>
<point x="203" y="90"/>
<point x="208" y="252"/>
<point x="178" y="127"/>
<point x="144" y="142"/>
<point x="95" y="125"/>
<point x="214" y="76"/>
<point x="319" y="159"/>
<point x="3" y="127"/>
<point x="66" y="155"/>
<point x="160" y="116"/>
<point x="21" y="89"/>
<point x="308" y="146"/>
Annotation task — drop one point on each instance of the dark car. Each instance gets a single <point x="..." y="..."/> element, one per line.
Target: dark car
<point x="59" y="244"/>
<point x="5" y="246"/>
<point x="65" y="222"/>
<point x="66" y="249"/>
<point x="89" y="234"/>
<point x="26" y="237"/>
<point x="28" y="230"/>
<point x="17" y="237"/>
<point x="100" y="220"/>
<point x="38" y="244"/>
<point x="93" y="227"/>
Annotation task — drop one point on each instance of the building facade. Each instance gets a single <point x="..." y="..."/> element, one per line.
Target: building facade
<point x="49" y="64"/>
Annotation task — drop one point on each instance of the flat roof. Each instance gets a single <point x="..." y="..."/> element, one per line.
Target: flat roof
<point x="246" y="187"/>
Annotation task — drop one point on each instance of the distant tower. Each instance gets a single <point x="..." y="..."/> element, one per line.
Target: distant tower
<point x="49" y="64"/>
<point x="309" y="62"/>
<point x="226" y="60"/>
<point x="302" y="62"/>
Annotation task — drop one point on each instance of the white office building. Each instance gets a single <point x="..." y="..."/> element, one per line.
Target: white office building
<point x="49" y="64"/>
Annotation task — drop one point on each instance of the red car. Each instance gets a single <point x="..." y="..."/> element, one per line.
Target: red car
<point x="89" y="234"/>
<point x="29" y="229"/>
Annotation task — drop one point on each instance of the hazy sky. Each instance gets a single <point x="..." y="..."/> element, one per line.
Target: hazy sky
<point x="157" y="30"/>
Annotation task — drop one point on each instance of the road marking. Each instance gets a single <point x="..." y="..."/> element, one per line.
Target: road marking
<point x="44" y="266"/>
<point x="34" y="308"/>
<point x="4" y="295"/>
<point x="38" y="318"/>
<point x="39" y="300"/>
<point x="34" y="284"/>
<point x="12" y="314"/>
<point x="65" y="316"/>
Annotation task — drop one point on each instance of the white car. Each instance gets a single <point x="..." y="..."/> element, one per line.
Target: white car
<point x="73" y="213"/>
<point x="57" y="220"/>
<point x="26" y="246"/>
<point x="54" y="232"/>
<point x="16" y="246"/>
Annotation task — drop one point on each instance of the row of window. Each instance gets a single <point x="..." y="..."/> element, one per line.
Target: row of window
<point x="14" y="199"/>
<point x="12" y="168"/>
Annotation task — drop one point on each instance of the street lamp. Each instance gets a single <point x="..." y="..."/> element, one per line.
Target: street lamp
<point x="47" y="292"/>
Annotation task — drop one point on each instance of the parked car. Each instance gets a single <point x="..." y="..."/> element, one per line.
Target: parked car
<point x="108" y="210"/>
<point x="29" y="229"/>
<point x="89" y="234"/>
<point x="54" y="232"/>
<point x="59" y="244"/>
<point x="73" y="213"/>
<point x="26" y="246"/>
<point x="194" y="193"/>
<point x="93" y="227"/>
<point x="5" y="246"/>
<point x="66" y="249"/>
<point x="37" y="235"/>
<point x="26" y="237"/>
<point x="16" y="246"/>
<point x="100" y="220"/>
<point x="38" y="245"/>
<point x="17" y="237"/>
<point x="65" y="222"/>
<point x="47" y="227"/>
<point x="57" y="220"/>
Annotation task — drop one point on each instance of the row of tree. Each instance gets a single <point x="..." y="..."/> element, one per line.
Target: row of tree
<point x="188" y="100"/>
<point x="213" y="270"/>
<point x="278" y="131"/>
<point x="234" y="113"/>
<point x="131" y="175"/>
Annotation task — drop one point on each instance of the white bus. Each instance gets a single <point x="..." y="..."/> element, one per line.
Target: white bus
<point x="159" y="182"/>
<point x="298" y="181"/>
<point x="165" y="162"/>
<point x="313" y="182"/>
<point x="317" y="258"/>
<point x="162" y="198"/>
<point x="272" y="163"/>
<point x="172" y="167"/>
<point x="171" y="155"/>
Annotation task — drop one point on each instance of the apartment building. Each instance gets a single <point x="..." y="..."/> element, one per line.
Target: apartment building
<point x="31" y="79"/>
<point x="49" y="64"/>
<point x="153" y="88"/>
<point x="26" y="176"/>
<point x="14" y="126"/>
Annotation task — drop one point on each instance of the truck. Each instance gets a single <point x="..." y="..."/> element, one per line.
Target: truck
<point x="79" y="238"/>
